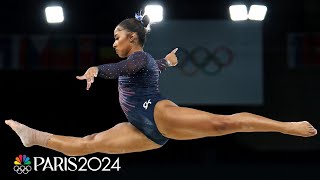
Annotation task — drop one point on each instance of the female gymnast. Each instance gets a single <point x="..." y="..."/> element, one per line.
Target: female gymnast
<point x="152" y="118"/>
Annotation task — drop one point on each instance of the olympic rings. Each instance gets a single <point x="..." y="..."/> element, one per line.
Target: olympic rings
<point x="201" y="58"/>
<point x="22" y="169"/>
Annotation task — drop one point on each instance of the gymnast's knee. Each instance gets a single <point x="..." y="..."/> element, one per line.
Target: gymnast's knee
<point x="85" y="146"/>
<point x="224" y="124"/>
<point x="93" y="143"/>
<point x="90" y="137"/>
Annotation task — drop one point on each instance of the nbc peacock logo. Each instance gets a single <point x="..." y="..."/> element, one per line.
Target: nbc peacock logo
<point x="22" y="164"/>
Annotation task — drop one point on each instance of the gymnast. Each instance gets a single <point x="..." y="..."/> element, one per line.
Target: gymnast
<point x="152" y="118"/>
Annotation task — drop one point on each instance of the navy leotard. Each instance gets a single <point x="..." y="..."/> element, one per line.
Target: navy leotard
<point x="138" y="86"/>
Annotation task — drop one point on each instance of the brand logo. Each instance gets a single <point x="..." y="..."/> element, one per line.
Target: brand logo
<point x="22" y="164"/>
<point x="146" y="104"/>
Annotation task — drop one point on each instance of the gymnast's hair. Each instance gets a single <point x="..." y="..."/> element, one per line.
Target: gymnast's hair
<point x="139" y="24"/>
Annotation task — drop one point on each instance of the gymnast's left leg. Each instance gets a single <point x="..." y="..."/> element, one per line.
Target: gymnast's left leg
<point x="184" y="123"/>
<point x="120" y="139"/>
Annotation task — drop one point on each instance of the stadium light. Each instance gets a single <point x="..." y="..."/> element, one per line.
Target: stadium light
<point x="155" y="13"/>
<point x="257" y="12"/>
<point x="54" y="14"/>
<point x="238" y="12"/>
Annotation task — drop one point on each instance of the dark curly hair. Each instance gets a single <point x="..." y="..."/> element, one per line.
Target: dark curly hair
<point x="138" y="26"/>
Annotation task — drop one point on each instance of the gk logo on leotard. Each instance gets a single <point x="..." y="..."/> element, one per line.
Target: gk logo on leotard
<point x="146" y="104"/>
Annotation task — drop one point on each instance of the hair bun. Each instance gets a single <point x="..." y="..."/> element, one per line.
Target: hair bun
<point x="145" y="20"/>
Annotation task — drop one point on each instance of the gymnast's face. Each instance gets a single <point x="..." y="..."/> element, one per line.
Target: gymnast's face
<point x="122" y="42"/>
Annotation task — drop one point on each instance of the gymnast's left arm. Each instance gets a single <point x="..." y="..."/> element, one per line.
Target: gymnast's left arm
<point x="113" y="70"/>
<point x="125" y="67"/>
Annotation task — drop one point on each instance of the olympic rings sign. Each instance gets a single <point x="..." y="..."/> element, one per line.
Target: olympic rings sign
<point x="209" y="61"/>
<point x="21" y="169"/>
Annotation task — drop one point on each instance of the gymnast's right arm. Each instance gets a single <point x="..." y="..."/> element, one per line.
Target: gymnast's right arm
<point x="171" y="58"/>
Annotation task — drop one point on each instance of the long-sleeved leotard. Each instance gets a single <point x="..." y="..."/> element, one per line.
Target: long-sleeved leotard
<point x="138" y="86"/>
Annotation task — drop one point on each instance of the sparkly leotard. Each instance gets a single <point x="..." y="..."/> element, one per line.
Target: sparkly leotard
<point x="138" y="86"/>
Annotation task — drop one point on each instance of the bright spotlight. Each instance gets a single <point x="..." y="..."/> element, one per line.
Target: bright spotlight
<point x="54" y="14"/>
<point x="238" y="12"/>
<point x="155" y="13"/>
<point x="257" y="12"/>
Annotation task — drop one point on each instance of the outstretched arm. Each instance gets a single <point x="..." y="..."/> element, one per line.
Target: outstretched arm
<point x="169" y="60"/>
<point x="126" y="67"/>
<point x="113" y="70"/>
<point x="162" y="64"/>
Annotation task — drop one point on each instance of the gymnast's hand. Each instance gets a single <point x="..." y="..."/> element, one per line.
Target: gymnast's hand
<point x="89" y="75"/>
<point x="172" y="58"/>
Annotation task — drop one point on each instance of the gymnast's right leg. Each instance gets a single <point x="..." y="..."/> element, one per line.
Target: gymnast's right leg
<point x="120" y="139"/>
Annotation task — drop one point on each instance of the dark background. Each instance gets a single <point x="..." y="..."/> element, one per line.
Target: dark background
<point x="56" y="102"/>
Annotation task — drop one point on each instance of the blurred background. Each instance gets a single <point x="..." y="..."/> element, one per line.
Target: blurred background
<point x="269" y="67"/>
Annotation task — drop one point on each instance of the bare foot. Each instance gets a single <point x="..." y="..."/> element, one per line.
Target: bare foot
<point x="302" y="128"/>
<point x="28" y="136"/>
